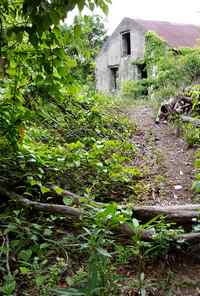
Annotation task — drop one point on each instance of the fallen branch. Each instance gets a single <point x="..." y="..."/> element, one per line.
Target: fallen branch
<point x="52" y="208"/>
<point x="190" y="237"/>
<point x="149" y="234"/>
<point x="183" y="214"/>
<point x="175" y="208"/>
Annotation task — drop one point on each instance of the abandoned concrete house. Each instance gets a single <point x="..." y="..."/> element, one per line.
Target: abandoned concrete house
<point x="115" y="62"/>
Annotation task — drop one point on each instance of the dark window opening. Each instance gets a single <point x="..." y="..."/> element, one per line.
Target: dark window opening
<point x="114" y="78"/>
<point x="126" y="44"/>
<point x="142" y="71"/>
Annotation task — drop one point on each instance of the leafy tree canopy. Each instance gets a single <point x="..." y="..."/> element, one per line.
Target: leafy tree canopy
<point x="37" y="57"/>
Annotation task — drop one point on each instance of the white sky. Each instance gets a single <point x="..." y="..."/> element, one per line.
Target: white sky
<point x="183" y="11"/>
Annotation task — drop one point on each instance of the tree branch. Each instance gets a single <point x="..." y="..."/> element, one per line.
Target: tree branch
<point x="53" y="208"/>
<point x="183" y="214"/>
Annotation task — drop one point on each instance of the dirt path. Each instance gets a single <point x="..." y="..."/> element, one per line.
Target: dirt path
<point x="167" y="165"/>
<point x="164" y="158"/>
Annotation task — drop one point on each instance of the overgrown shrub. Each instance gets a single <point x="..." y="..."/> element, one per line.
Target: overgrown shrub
<point x="135" y="89"/>
<point x="175" y="69"/>
<point x="191" y="134"/>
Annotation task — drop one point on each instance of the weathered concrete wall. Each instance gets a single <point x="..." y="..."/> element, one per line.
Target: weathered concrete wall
<point x="102" y="74"/>
<point x="111" y="55"/>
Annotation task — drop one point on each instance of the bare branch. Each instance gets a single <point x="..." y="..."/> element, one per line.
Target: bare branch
<point x="53" y="208"/>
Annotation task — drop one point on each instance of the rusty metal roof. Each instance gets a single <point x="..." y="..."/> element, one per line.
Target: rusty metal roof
<point x="176" y="35"/>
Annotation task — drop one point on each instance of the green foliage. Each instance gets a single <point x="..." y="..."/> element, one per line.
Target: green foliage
<point x="99" y="279"/>
<point x="40" y="59"/>
<point x="135" y="89"/>
<point x="42" y="14"/>
<point x="82" y="145"/>
<point x="169" y="69"/>
<point x="191" y="134"/>
<point x="92" y="34"/>
<point x="24" y="254"/>
<point x="155" y="48"/>
<point x="83" y="148"/>
<point x="191" y="61"/>
<point x="56" y="135"/>
<point x="196" y="183"/>
<point x="193" y="91"/>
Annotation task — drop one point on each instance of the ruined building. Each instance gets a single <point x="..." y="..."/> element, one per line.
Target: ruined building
<point x="115" y="62"/>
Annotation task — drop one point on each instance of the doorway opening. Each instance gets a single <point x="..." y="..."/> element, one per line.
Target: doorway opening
<point x="142" y="71"/>
<point x="114" y="78"/>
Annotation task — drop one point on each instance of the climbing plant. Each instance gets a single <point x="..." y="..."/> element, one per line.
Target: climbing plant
<point x="169" y="69"/>
<point x="155" y="48"/>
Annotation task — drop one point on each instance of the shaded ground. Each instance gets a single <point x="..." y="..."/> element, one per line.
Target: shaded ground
<point x="178" y="279"/>
<point x="167" y="164"/>
<point x="164" y="158"/>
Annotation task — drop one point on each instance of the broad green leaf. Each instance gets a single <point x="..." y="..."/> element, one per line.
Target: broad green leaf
<point x="25" y="255"/>
<point x="67" y="201"/>
<point x="24" y="270"/>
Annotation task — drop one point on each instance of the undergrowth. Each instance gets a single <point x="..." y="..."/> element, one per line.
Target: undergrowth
<point x="50" y="254"/>
<point x="86" y="151"/>
<point x="61" y="143"/>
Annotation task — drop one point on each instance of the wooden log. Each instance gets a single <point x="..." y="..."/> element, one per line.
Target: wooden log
<point x="194" y="121"/>
<point x="165" y="109"/>
<point x="185" y="214"/>
<point x="52" y="208"/>
<point x="182" y="214"/>
<point x="185" y="207"/>
<point x="193" y="237"/>
<point x="149" y="234"/>
<point x="186" y="99"/>
<point x="125" y="229"/>
<point x="181" y="218"/>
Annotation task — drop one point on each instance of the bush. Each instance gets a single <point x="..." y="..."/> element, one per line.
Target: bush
<point x="135" y="89"/>
<point x="191" y="62"/>
<point x="164" y="93"/>
<point x="191" y="135"/>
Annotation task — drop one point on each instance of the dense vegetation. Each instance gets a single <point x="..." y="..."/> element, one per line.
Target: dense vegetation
<point x="169" y="70"/>
<point x="60" y="144"/>
<point x="63" y="144"/>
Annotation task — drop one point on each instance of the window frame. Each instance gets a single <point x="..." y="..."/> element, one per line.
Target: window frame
<point x="126" y="42"/>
